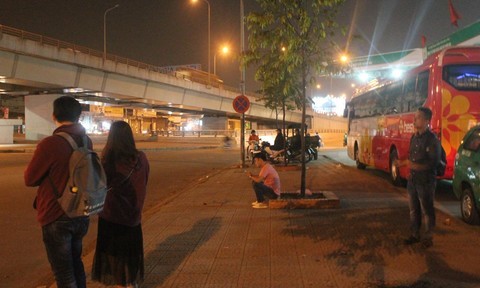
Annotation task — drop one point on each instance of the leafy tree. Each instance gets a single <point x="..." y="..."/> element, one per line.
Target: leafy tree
<point x="289" y="41"/>
<point x="278" y="93"/>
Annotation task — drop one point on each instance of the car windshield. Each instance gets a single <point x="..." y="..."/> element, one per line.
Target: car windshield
<point x="473" y="142"/>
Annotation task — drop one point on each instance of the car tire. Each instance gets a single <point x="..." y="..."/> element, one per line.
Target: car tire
<point x="468" y="207"/>
<point x="394" y="171"/>
<point x="359" y="164"/>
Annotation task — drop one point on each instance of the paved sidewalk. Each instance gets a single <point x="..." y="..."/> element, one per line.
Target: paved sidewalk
<point x="209" y="236"/>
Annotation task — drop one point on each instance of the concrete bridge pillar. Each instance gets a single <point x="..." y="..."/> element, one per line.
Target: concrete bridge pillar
<point x="38" y="116"/>
<point x="215" y="123"/>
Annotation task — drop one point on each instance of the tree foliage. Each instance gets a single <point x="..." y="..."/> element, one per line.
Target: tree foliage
<point x="289" y="41"/>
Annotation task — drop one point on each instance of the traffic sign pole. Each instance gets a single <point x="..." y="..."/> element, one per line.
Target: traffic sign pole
<point x="241" y="104"/>
<point x="242" y="140"/>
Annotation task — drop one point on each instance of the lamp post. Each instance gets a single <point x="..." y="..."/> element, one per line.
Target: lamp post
<point x="105" y="31"/>
<point x="242" y="45"/>
<point x="224" y="51"/>
<point x="208" y="4"/>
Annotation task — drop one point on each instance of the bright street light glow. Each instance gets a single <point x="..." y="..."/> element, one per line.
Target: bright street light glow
<point x="329" y="105"/>
<point x="224" y="50"/>
<point x="397" y="73"/>
<point x="344" y="58"/>
<point x="363" y="77"/>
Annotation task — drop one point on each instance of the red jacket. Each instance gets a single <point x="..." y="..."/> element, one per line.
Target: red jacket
<point x="51" y="159"/>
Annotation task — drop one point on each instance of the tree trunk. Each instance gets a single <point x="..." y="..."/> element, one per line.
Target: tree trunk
<point x="302" y="130"/>
<point x="284" y="108"/>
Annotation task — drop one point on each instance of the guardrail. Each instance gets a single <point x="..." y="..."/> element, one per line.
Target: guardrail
<point x="201" y="133"/>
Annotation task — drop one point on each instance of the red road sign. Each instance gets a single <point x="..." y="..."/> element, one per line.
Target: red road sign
<point x="241" y="103"/>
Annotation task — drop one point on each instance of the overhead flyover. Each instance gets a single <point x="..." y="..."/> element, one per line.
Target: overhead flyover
<point x="41" y="68"/>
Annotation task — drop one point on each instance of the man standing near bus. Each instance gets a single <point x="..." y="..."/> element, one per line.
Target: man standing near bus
<point x="424" y="157"/>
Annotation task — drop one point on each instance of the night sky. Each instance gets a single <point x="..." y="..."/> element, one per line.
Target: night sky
<point x="174" y="32"/>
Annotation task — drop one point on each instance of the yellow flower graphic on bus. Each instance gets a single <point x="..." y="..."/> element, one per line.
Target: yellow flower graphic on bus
<point x="455" y="120"/>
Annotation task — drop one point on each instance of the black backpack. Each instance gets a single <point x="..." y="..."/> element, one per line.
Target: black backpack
<point x="86" y="188"/>
<point x="442" y="165"/>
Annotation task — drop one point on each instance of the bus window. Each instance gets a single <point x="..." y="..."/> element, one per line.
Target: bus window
<point x="421" y="92"/>
<point x="393" y="96"/>
<point x="408" y="94"/>
<point x="376" y="105"/>
<point x="361" y="108"/>
<point x="463" y="77"/>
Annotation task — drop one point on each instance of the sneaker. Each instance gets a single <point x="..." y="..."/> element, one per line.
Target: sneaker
<point x="255" y="203"/>
<point x="411" y="240"/>
<point x="427" y="243"/>
<point x="260" y="205"/>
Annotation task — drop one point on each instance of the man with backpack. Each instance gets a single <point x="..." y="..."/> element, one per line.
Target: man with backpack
<point x="424" y="160"/>
<point x="49" y="170"/>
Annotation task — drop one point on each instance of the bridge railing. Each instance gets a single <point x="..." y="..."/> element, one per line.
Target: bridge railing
<point x="44" y="40"/>
<point x="199" y="133"/>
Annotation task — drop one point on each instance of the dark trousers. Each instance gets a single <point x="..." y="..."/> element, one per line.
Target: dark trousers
<point x="262" y="191"/>
<point x="63" y="242"/>
<point x="421" y="197"/>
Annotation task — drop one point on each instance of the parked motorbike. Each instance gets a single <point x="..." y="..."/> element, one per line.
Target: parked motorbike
<point x="295" y="155"/>
<point x="252" y="148"/>
<point x="274" y="157"/>
<point x="291" y="154"/>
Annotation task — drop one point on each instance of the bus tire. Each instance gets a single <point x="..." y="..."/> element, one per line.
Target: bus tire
<point x="359" y="164"/>
<point x="394" y="171"/>
<point x="468" y="207"/>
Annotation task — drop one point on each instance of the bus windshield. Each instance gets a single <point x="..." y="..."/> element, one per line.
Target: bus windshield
<point x="463" y="77"/>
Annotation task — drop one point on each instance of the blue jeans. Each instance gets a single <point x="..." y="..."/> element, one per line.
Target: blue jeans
<point x="63" y="242"/>
<point x="421" y="197"/>
<point x="262" y="191"/>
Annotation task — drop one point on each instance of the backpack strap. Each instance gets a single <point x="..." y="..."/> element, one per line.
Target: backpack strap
<point x="74" y="145"/>
<point x="69" y="139"/>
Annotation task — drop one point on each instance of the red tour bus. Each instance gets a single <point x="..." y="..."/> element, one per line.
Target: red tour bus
<point x="381" y="118"/>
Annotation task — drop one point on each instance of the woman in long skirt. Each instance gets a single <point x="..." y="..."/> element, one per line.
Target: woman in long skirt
<point x="119" y="258"/>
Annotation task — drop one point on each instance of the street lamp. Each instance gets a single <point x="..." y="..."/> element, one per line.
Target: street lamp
<point x="105" y="31"/>
<point x="208" y="4"/>
<point x="242" y="81"/>
<point x="224" y="51"/>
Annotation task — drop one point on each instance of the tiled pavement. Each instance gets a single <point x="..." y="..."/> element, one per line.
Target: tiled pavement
<point x="209" y="236"/>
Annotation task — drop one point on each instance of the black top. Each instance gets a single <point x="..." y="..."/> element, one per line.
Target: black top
<point x="279" y="142"/>
<point x="424" y="149"/>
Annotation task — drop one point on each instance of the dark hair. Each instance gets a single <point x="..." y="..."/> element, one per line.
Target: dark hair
<point x="426" y="112"/>
<point x="279" y="130"/>
<point x="120" y="147"/>
<point x="253" y="131"/>
<point x="66" y="108"/>
<point x="261" y="155"/>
